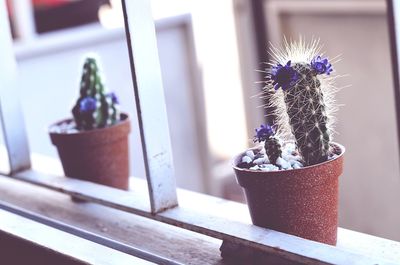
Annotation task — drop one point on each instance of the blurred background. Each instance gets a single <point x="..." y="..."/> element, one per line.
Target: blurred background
<point x="209" y="53"/>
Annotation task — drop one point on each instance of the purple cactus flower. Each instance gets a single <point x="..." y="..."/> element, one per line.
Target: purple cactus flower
<point x="321" y="65"/>
<point x="88" y="104"/>
<point x="113" y="97"/>
<point x="263" y="133"/>
<point x="284" y="76"/>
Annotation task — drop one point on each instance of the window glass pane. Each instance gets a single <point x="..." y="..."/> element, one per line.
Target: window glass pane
<point x="193" y="69"/>
<point x="214" y="104"/>
<point x="49" y="89"/>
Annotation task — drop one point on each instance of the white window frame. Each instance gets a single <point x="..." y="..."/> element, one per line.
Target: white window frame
<point x="222" y="219"/>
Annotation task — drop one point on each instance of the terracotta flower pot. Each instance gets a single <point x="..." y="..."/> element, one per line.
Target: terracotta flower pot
<point x="302" y="202"/>
<point x="99" y="155"/>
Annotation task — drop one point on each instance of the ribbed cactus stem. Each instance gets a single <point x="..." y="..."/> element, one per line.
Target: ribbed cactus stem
<point x="266" y="133"/>
<point x="273" y="149"/>
<point x="94" y="108"/>
<point x="304" y="98"/>
<point x="307" y="116"/>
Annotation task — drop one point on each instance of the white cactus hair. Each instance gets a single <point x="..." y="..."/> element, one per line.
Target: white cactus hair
<point x="298" y="51"/>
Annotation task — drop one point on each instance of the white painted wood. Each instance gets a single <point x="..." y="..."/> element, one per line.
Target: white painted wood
<point x="164" y="241"/>
<point x="66" y="39"/>
<point x="396" y="14"/>
<point x="4" y="164"/>
<point x="154" y="236"/>
<point x="10" y="110"/>
<point x="368" y="245"/>
<point x="227" y="220"/>
<point x="55" y="240"/>
<point x="93" y="237"/>
<point x="150" y="104"/>
<point x="24" y="21"/>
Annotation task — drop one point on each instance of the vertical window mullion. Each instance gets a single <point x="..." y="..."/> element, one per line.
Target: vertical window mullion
<point x="393" y="14"/>
<point x="10" y="110"/>
<point x="150" y="104"/>
<point x="23" y="18"/>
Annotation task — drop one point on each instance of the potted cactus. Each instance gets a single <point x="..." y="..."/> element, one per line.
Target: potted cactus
<point x="291" y="179"/>
<point x="93" y="146"/>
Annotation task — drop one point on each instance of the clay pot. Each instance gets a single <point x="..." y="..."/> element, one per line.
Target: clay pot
<point x="99" y="155"/>
<point x="302" y="202"/>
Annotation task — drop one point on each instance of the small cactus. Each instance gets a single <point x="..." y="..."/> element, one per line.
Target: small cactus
<point x="304" y="102"/>
<point x="272" y="145"/>
<point x="94" y="108"/>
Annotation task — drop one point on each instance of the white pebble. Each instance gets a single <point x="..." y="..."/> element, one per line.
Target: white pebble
<point x="294" y="161"/>
<point x="290" y="157"/>
<point x="269" y="167"/>
<point x="65" y="127"/>
<point x="246" y="159"/>
<point x="250" y="154"/>
<point x="72" y="131"/>
<point x="259" y="161"/>
<point x="333" y="156"/>
<point x="55" y="129"/>
<point x="290" y="147"/>
<point x="282" y="163"/>
<point x="296" y="164"/>
<point x="256" y="167"/>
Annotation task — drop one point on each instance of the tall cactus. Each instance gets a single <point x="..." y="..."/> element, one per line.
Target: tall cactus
<point x="94" y="108"/>
<point x="305" y="103"/>
<point x="272" y="146"/>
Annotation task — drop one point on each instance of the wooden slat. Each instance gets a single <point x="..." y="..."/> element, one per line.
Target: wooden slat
<point x="150" y="104"/>
<point x="73" y="230"/>
<point x="77" y="249"/>
<point x="172" y="243"/>
<point x="368" y="245"/>
<point x="10" y="111"/>
<point x="213" y="219"/>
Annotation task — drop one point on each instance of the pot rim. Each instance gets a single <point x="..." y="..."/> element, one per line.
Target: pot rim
<point x="124" y="119"/>
<point x="235" y="167"/>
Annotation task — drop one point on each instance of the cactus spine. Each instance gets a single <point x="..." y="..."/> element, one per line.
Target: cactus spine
<point x="307" y="91"/>
<point x="94" y="108"/>
<point x="308" y="120"/>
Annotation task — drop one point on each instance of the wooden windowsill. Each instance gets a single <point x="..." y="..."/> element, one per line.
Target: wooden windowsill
<point x="175" y="244"/>
<point x="215" y="217"/>
<point x="39" y="244"/>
